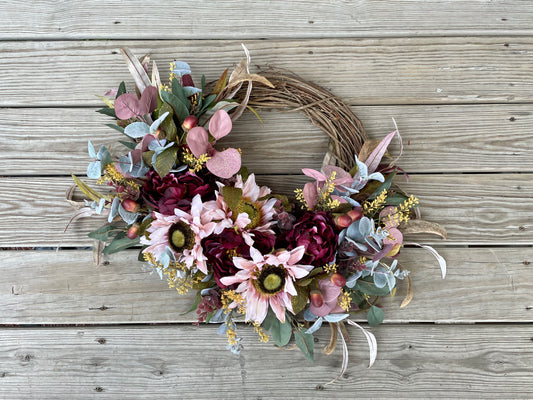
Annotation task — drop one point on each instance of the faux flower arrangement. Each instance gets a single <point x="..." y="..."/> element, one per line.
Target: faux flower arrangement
<point x="204" y="224"/>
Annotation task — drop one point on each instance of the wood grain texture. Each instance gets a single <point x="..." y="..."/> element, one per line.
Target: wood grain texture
<point x="475" y="209"/>
<point x="448" y="138"/>
<point x="440" y="70"/>
<point x="445" y="362"/>
<point x="44" y="287"/>
<point x="98" y="19"/>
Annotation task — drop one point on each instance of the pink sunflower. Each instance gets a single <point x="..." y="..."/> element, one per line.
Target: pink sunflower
<point x="268" y="280"/>
<point x="251" y="213"/>
<point x="183" y="233"/>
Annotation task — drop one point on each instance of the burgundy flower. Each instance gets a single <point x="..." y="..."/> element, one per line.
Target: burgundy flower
<point x="174" y="191"/>
<point x="220" y="250"/>
<point x="315" y="231"/>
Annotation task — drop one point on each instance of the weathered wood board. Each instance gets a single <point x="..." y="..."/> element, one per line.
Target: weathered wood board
<point x="100" y="19"/>
<point x="456" y="75"/>
<point x="476" y="209"/>
<point x="443" y="70"/>
<point x="44" y="287"/>
<point x="176" y="361"/>
<point x="36" y="144"/>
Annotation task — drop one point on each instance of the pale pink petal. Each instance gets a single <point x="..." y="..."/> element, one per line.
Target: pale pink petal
<point x="319" y="176"/>
<point x="223" y="164"/>
<point x="289" y="287"/>
<point x="243" y="263"/>
<point x="296" y="255"/>
<point x="242" y="220"/>
<point x="248" y="239"/>
<point x="220" y="124"/>
<point x="250" y="189"/>
<point x="285" y="300"/>
<point x="300" y="271"/>
<point x="262" y="310"/>
<point x="229" y="280"/>
<point x="278" y="309"/>
<point x="283" y="257"/>
<point x="310" y="193"/>
<point x="198" y="141"/>
<point x="256" y="255"/>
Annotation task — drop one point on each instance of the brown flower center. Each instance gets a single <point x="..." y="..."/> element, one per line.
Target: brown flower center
<point x="180" y="237"/>
<point x="271" y="279"/>
<point x="253" y="210"/>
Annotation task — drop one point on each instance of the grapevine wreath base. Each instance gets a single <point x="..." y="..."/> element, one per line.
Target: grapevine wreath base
<point x="285" y="266"/>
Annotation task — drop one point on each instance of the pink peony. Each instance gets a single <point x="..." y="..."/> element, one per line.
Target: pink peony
<point x="268" y="280"/>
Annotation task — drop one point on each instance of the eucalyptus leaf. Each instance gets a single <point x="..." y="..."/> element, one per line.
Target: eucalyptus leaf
<point x="367" y="286"/>
<point x="119" y="244"/>
<point x="282" y="333"/>
<point x="129" y="145"/>
<point x="92" y="151"/>
<point x="306" y="343"/>
<point x="116" y="127"/>
<point x="102" y="233"/>
<point x="137" y="130"/>
<point x="165" y="160"/>
<point x="94" y="170"/>
<point x="375" y="316"/>
<point x="180" y="109"/>
<point x="121" y="89"/>
<point x="107" y="111"/>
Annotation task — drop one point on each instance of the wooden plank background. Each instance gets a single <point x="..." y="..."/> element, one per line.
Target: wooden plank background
<point x="456" y="75"/>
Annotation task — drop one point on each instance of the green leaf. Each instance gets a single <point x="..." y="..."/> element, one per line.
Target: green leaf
<point x="384" y="186"/>
<point x="121" y="89"/>
<point x="306" y="343"/>
<point x="168" y="124"/>
<point x="281" y="333"/>
<point x="116" y="127"/>
<point x="107" y="111"/>
<point x="269" y="320"/>
<point x="367" y="286"/>
<point x="207" y="102"/>
<point x="244" y="173"/>
<point x="129" y="145"/>
<point x="87" y="191"/>
<point x="358" y="299"/>
<point x="194" y="306"/>
<point x="177" y="90"/>
<point x="203" y="83"/>
<point x="119" y="244"/>
<point x="180" y="109"/>
<point x="147" y="157"/>
<point x="165" y="160"/>
<point x="102" y="234"/>
<point x="375" y="316"/>
<point x="396" y="199"/>
<point x="140" y="257"/>
<point x="299" y="302"/>
<point x="232" y="197"/>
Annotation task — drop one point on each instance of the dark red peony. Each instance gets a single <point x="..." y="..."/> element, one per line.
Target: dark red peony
<point x="316" y="232"/>
<point x="174" y="191"/>
<point x="220" y="250"/>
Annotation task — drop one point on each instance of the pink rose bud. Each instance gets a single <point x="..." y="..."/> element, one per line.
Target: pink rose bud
<point x="189" y="123"/>
<point x="130" y="205"/>
<point x="355" y="214"/>
<point x="317" y="299"/>
<point x="133" y="231"/>
<point x="342" y="221"/>
<point x="338" y="279"/>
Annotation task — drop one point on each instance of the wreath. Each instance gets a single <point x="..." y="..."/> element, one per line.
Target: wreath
<point x="283" y="265"/>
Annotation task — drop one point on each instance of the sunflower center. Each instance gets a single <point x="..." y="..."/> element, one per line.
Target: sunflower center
<point x="253" y="210"/>
<point x="180" y="237"/>
<point x="271" y="279"/>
